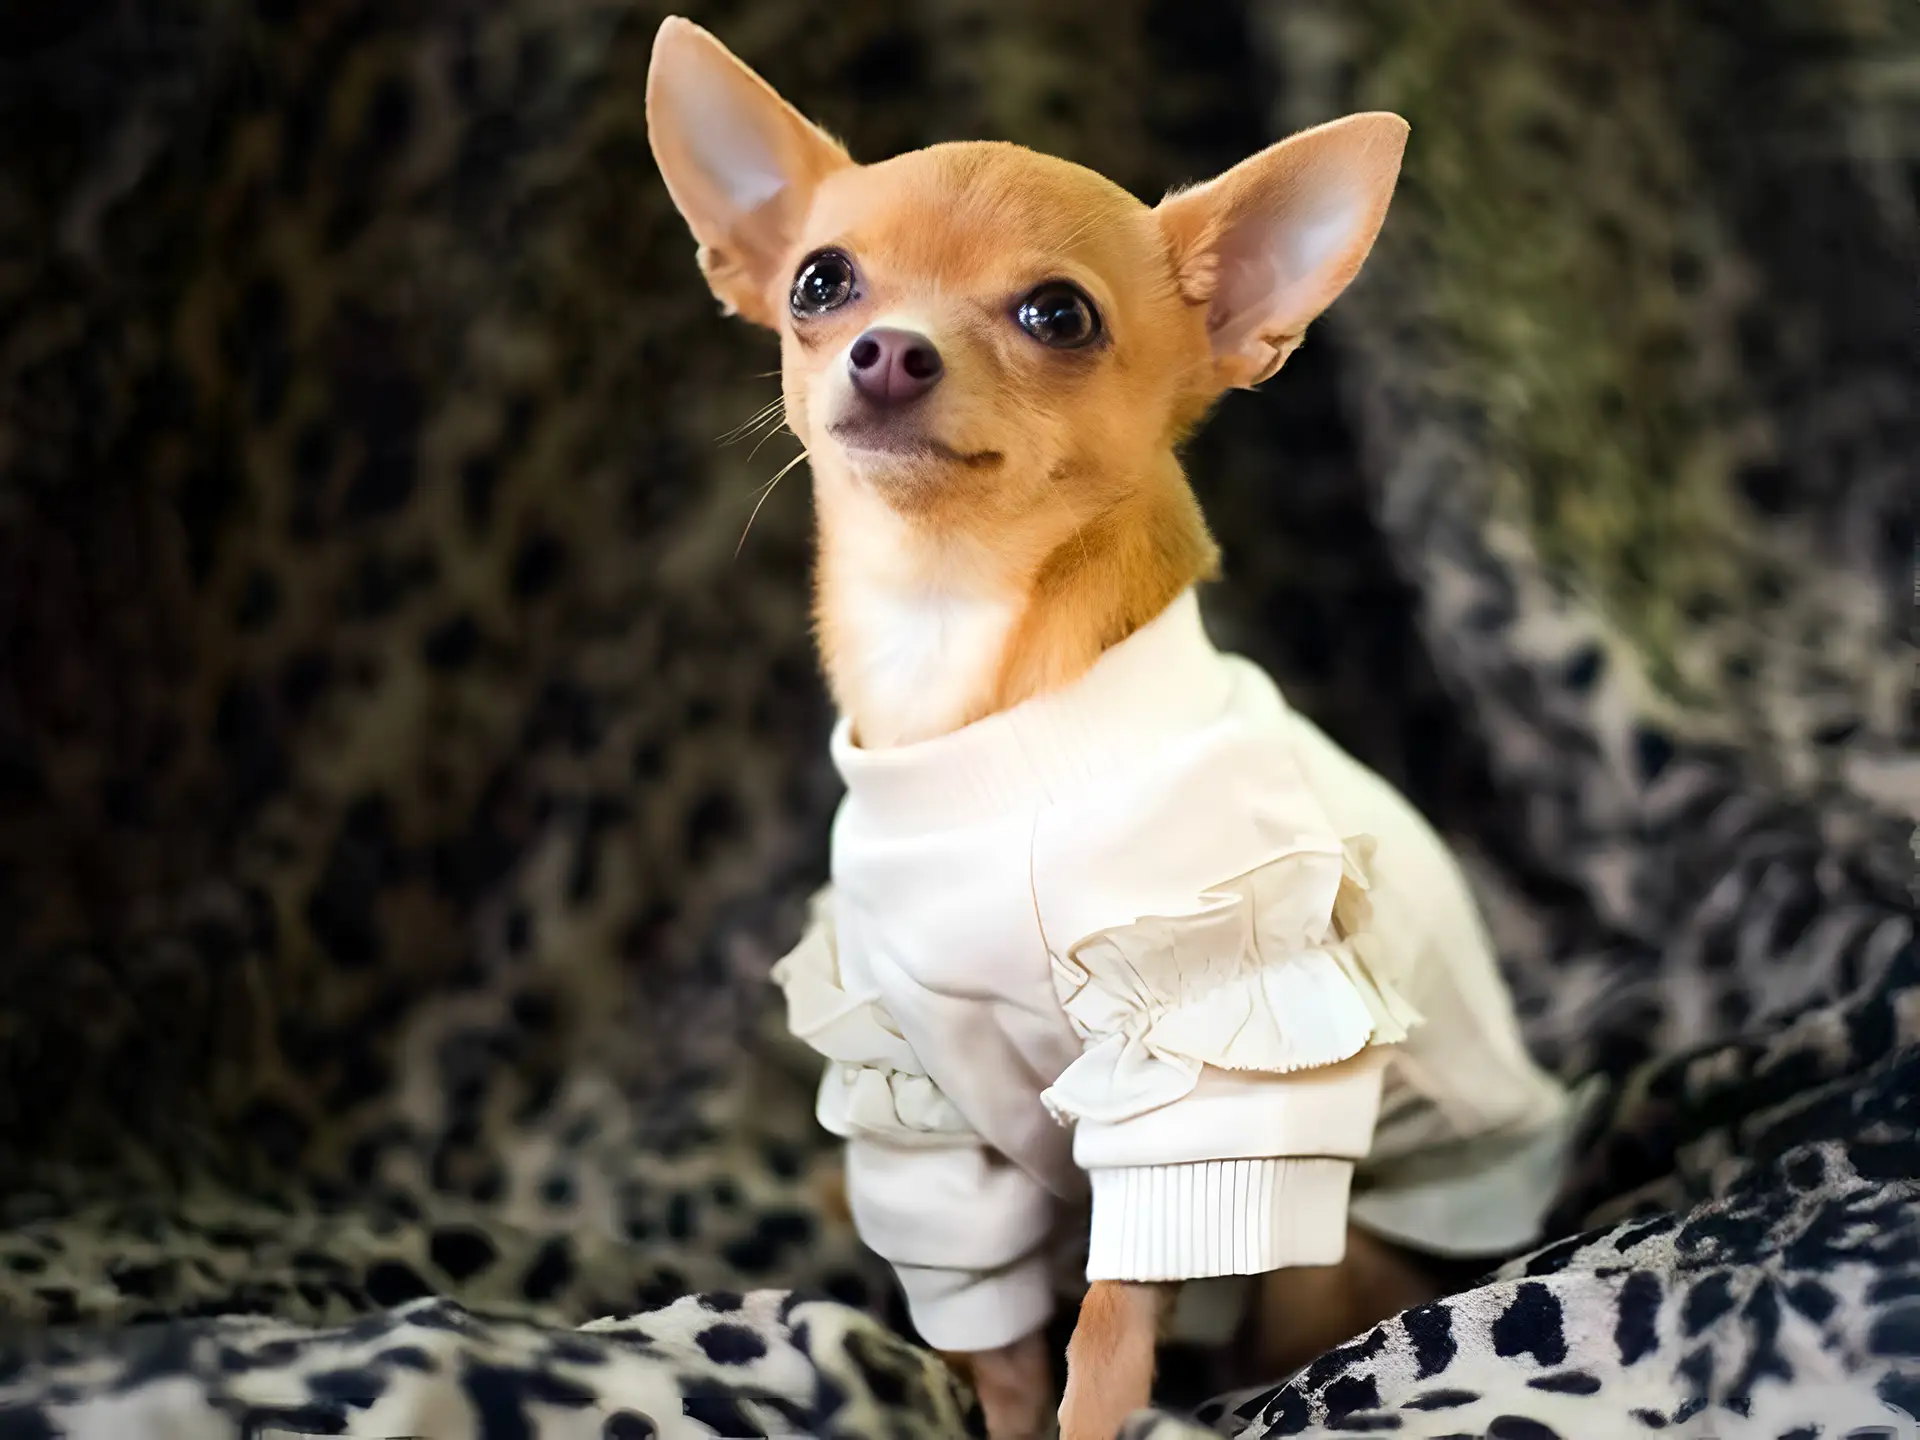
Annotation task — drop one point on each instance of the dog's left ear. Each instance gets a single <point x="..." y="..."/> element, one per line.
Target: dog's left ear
<point x="1270" y="244"/>
<point x="740" y="163"/>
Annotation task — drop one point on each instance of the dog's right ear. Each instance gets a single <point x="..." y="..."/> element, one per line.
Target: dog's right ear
<point x="740" y="163"/>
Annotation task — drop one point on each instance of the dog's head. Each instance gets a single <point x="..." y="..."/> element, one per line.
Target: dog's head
<point x="990" y="340"/>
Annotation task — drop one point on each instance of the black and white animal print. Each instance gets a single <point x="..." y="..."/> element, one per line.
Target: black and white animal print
<point x="404" y="790"/>
<point x="762" y="1364"/>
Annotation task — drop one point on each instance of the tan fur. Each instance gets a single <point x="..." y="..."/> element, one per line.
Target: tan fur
<point x="830" y="1189"/>
<point x="1031" y="511"/>
<point x="1015" y="1386"/>
<point x="1110" y="1359"/>
<point x="1083" y="526"/>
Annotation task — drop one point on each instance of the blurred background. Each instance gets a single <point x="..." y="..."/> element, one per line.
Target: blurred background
<point x="405" y="789"/>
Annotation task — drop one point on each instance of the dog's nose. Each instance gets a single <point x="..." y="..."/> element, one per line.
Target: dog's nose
<point x="891" y="367"/>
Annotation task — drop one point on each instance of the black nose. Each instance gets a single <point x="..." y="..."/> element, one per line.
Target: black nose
<point x="891" y="367"/>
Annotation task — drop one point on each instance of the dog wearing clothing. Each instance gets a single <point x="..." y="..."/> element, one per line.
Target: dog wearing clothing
<point x="1110" y="925"/>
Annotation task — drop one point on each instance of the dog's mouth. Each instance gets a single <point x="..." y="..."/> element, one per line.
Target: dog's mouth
<point x="890" y="438"/>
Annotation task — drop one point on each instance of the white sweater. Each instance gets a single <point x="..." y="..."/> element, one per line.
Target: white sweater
<point x="1156" y="928"/>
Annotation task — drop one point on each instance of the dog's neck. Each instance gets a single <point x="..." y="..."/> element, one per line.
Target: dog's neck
<point x="924" y="630"/>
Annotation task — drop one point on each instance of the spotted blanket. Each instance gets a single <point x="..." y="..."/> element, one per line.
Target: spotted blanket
<point x="404" y="790"/>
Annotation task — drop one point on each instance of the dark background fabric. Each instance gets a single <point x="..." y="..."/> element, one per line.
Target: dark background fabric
<point x="405" y="788"/>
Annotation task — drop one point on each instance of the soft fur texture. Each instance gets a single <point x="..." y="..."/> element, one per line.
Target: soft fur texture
<point x="406" y="790"/>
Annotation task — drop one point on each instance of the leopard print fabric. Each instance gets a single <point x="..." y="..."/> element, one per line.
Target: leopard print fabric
<point x="720" y="1364"/>
<point x="403" y="790"/>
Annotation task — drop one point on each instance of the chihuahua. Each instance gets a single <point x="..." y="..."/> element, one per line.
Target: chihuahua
<point x="990" y="356"/>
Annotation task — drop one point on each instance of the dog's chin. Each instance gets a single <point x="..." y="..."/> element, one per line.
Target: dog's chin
<point x="890" y="446"/>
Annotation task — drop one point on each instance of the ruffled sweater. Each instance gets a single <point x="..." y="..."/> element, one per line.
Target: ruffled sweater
<point x="1155" y="931"/>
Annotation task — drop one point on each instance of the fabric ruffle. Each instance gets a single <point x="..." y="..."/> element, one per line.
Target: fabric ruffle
<point x="874" y="1085"/>
<point x="1273" y="971"/>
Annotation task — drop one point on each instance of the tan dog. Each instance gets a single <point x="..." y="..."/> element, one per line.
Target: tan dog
<point x="990" y="356"/>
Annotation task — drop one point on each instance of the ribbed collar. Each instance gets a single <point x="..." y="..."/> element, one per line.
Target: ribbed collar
<point x="1161" y="682"/>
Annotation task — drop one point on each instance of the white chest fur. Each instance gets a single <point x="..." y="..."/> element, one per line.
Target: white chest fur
<point x="916" y="622"/>
<point x="919" y="655"/>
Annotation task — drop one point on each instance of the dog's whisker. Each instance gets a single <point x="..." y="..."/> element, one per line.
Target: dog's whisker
<point x="771" y="426"/>
<point x="777" y="407"/>
<point x="1086" y="227"/>
<point x="765" y="491"/>
<point x="746" y="424"/>
<point x="771" y="432"/>
<point x="777" y="403"/>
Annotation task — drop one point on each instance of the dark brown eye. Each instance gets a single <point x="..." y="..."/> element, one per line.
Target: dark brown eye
<point x="825" y="282"/>
<point x="1059" y="315"/>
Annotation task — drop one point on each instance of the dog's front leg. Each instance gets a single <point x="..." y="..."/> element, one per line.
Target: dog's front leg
<point x="1110" y="1358"/>
<point x="1015" y="1386"/>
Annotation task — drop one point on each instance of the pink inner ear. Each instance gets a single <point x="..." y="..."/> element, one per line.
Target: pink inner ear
<point x="1282" y="263"/>
<point x="723" y="125"/>
<point x="732" y="152"/>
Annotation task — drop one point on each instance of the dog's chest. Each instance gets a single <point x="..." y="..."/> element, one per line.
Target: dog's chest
<point x="921" y="658"/>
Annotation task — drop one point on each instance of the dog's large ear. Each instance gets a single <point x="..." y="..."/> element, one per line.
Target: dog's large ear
<point x="740" y="163"/>
<point x="1270" y="244"/>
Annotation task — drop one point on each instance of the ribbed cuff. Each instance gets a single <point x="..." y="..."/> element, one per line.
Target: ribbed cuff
<point x="1217" y="1217"/>
<point x="958" y="1311"/>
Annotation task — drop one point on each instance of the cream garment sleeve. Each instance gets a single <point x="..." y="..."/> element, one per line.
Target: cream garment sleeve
<point x="963" y="1229"/>
<point x="1232" y="1070"/>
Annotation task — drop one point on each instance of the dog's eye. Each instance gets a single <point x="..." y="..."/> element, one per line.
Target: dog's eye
<point x="1060" y="315"/>
<point x="825" y="282"/>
